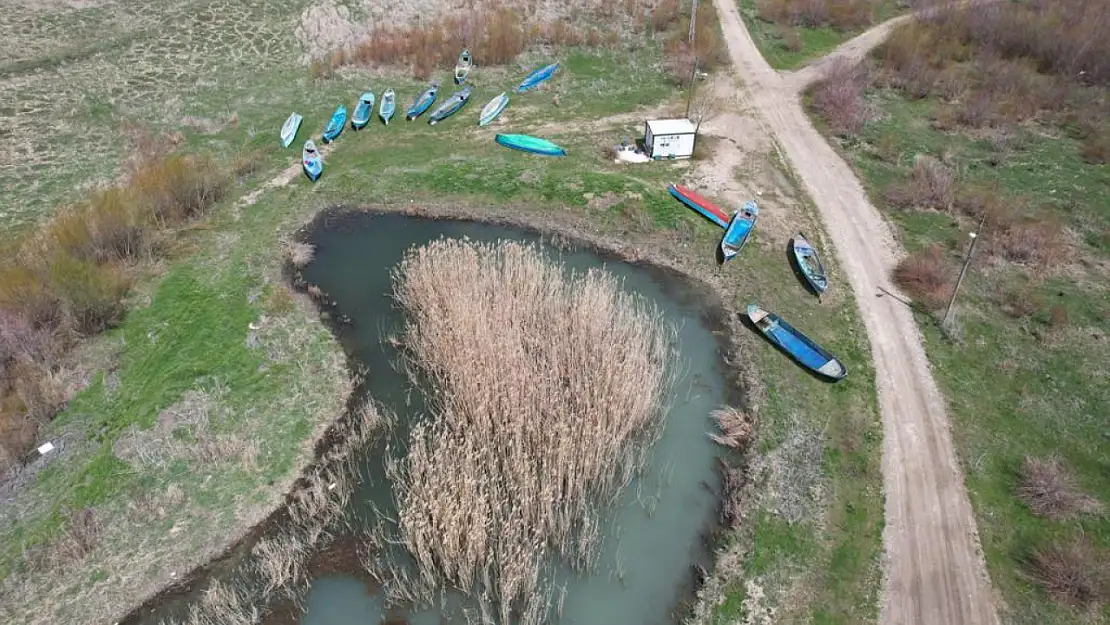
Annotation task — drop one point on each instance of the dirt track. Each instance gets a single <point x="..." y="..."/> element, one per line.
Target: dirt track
<point x="933" y="568"/>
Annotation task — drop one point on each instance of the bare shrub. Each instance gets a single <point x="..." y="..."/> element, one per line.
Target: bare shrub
<point x="839" y="14"/>
<point x="926" y="276"/>
<point x="733" y="482"/>
<point x="297" y="253"/>
<point x="1038" y="243"/>
<point x="90" y="294"/>
<point x="934" y="182"/>
<point x="1096" y="148"/>
<point x="110" y="225"/>
<point x="1072" y="572"/>
<point x="735" y="425"/>
<point x="1049" y="490"/>
<point x="178" y="187"/>
<point x="548" y="390"/>
<point x="839" y="98"/>
<point x="223" y="604"/>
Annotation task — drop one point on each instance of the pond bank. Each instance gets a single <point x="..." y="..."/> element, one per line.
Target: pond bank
<point x="566" y="231"/>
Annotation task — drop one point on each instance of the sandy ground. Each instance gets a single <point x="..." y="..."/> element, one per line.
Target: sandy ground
<point x="933" y="567"/>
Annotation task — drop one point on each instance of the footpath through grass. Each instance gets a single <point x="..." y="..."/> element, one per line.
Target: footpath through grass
<point x="1024" y="367"/>
<point x="791" y="32"/>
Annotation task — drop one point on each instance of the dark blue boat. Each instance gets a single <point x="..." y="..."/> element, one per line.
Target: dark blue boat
<point x="797" y="345"/>
<point x="537" y="77"/>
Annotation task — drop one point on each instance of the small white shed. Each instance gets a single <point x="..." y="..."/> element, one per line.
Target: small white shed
<point x="669" y="138"/>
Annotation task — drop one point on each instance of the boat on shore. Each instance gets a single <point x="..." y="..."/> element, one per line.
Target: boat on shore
<point x="809" y="263"/>
<point x="492" y="109"/>
<point x="422" y="102"/>
<point x="796" y="344"/>
<point x="450" y="106"/>
<point x="311" y="161"/>
<point x="739" y="230"/>
<point x="526" y="143"/>
<point x="289" y="129"/>
<point x="701" y="205"/>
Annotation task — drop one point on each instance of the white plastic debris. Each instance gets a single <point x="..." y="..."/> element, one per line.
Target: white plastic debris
<point x="331" y="486"/>
<point x="46" y="448"/>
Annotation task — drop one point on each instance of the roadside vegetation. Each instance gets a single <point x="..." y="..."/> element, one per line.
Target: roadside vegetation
<point x="998" y="114"/>
<point x="791" y="32"/>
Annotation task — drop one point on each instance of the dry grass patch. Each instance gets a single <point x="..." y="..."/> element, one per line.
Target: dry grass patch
<point x="1072" y="572"/>
<point x="839" y="14"/>
<point x="735" y="425"/>
<point x="1049" y="490"/>
<point x="926" y="276"/>
<point x="548" y="391"/>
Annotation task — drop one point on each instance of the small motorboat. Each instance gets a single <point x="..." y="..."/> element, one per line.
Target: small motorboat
<point x="809" y="263"/>
<point x="363" y="111"/>
<point x="335" y="125"/>
<point x="422" y="102"/>
<point x="388" y="106"/>
<point x="739" y="229"/>
<point x="537" y="77"/>
<point x="526" y="143"/>
<point x="312" y="161"/>
<point x="450" y="106"/>
<point x="289" y="129"/>
<point x="463" y="66"/>
<point x="797" y="345"/>
<point x="704" y="207"/>
<point x="492" y="109"/>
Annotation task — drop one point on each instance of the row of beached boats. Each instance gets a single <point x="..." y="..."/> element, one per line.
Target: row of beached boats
<point x="738" y="229"/>
<point x="363" y="112"/>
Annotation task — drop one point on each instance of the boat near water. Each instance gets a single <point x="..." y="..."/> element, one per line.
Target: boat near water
<point x="311" y="161"/>
<point x="289" y="129"/>
<point x="363" y="111"/>
<point x="796" y="345"/>
<point x="526" y="143"/>
<point x="809" y="263"/>
<point x="492" y="109"/>
<point x="463" y="67"/>
<point x="537" y="77"/>
<point x="422" y="102"/>
<point x="701" y="205"/>
<point x="739" y="230"/>
<point x="388" y="106"/>
<point x="450" y="106"/>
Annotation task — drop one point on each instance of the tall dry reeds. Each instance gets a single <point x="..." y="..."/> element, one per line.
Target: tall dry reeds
<point x="547" y="391"/>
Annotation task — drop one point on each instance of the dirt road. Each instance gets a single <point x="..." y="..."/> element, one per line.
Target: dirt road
<point x="933" y="569"/>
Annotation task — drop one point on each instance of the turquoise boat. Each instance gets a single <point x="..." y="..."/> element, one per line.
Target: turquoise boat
<point x="809" y="263"/>
<point x="423" y="102"/>
<point x="450" y="106"/>
<point x="335" y="126"/>
<point x="289" y="129"/>
<point x="796" y="345"/>
<point x="492" y="109"/>
<point x="311" y="161"/>
<point x="388" y="106"/>
<point x="537" y="77"/>
<point x="739" y="229"/>
<point x="525" y="143"/>
<point x="363" y="111"/>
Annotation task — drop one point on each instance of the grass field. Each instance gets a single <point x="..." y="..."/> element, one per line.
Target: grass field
<point x="1023" y="366"/>
<point x="791" y="32"/>
<point x="197" y="408"/>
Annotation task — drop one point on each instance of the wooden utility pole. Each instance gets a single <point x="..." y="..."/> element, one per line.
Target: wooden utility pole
<point x="963" y="270"/>
<point x="693" y="52"/>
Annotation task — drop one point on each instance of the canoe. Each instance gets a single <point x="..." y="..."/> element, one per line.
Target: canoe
<point x="388" y="106"/>
<point x="289" y="129"/>
<point x="525" y="143"/>
<point x="450" y="106"/>
<point x="462" y="67"/>
<point x="796" y="345"/>
<point x="311" y="161"/>
<point x="422" y="103"/>
<point x="335" y="126"/>
<point x="809" y="263"/>
<point x="739" y="229"/>
<point x="363" y="110"/>
<point x="491" y="110"/>
<point x="537" y="77"/>
<point x="707" y="209"/>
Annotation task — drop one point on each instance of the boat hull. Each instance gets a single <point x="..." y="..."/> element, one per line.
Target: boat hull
<point x="422" y="104"/>
<point x="491" y="110"/>
<point x="335" y="126"/>
<point x="450" y="107"/>
<point x="699" y="204"/>
<point x="739" y="230"/>
<point x="526" y="143"/>
<point x="363" y="111"/>
<point x="537" y="77"/>
<point x="809" y="264"/>
<point x="797" y="345"/>
<point x="388" y="106"/>
<point x="290" y="128"/>
<point x="311" y="162"/>
<point x="463" y="66"/>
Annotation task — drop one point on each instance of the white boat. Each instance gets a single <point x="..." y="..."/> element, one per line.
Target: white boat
<point x="289" y="129"/>
<point x="491" y="110"/>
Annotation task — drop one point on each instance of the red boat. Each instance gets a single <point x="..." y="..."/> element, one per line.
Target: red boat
<point x="708" y="209"/>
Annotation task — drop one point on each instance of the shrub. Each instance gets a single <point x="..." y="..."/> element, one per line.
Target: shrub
<point x="838" y="14"/>
<point x="933" y="181"/>
<point x="1072" y="572"/>
<point x="926" y="276"/>
<point x="178" y="187"/>
<point x="839" y="98"/>
<point x="89" y="294"/>
<point x="111" y="225"/>
<point x="1034" y="242"/>
<point x="26" y="293"/>
<point x="1096" y="147"/>
<point x="1049" y="490"/>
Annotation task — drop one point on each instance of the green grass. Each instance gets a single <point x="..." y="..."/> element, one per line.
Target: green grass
<point x="773" y="40"/>
<point x="1015" y="387"/>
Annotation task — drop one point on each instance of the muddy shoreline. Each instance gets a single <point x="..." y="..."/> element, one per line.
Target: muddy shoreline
<point x="560" y="228"/>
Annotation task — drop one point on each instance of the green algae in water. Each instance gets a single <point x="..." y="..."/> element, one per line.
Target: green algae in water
<point x="653" y="538"/>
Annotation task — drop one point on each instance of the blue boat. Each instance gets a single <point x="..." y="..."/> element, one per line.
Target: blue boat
<point x="423" y="102"/>
<point x="450" y="106"/>
<point x="809" y="263"/>
<point x="797" y="345"/>
<point x="739" y="229"/>
<point x="537" y="77"/>
<point x="311" y="161"/>
<point x="363" y="111"/>
<point x="525" y="143"/>
<point x="388" y="105"/>
<point x="335" y="126"/>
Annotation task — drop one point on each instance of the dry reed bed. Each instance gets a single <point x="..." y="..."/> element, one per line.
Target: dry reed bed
<point x="548" y="391"/>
